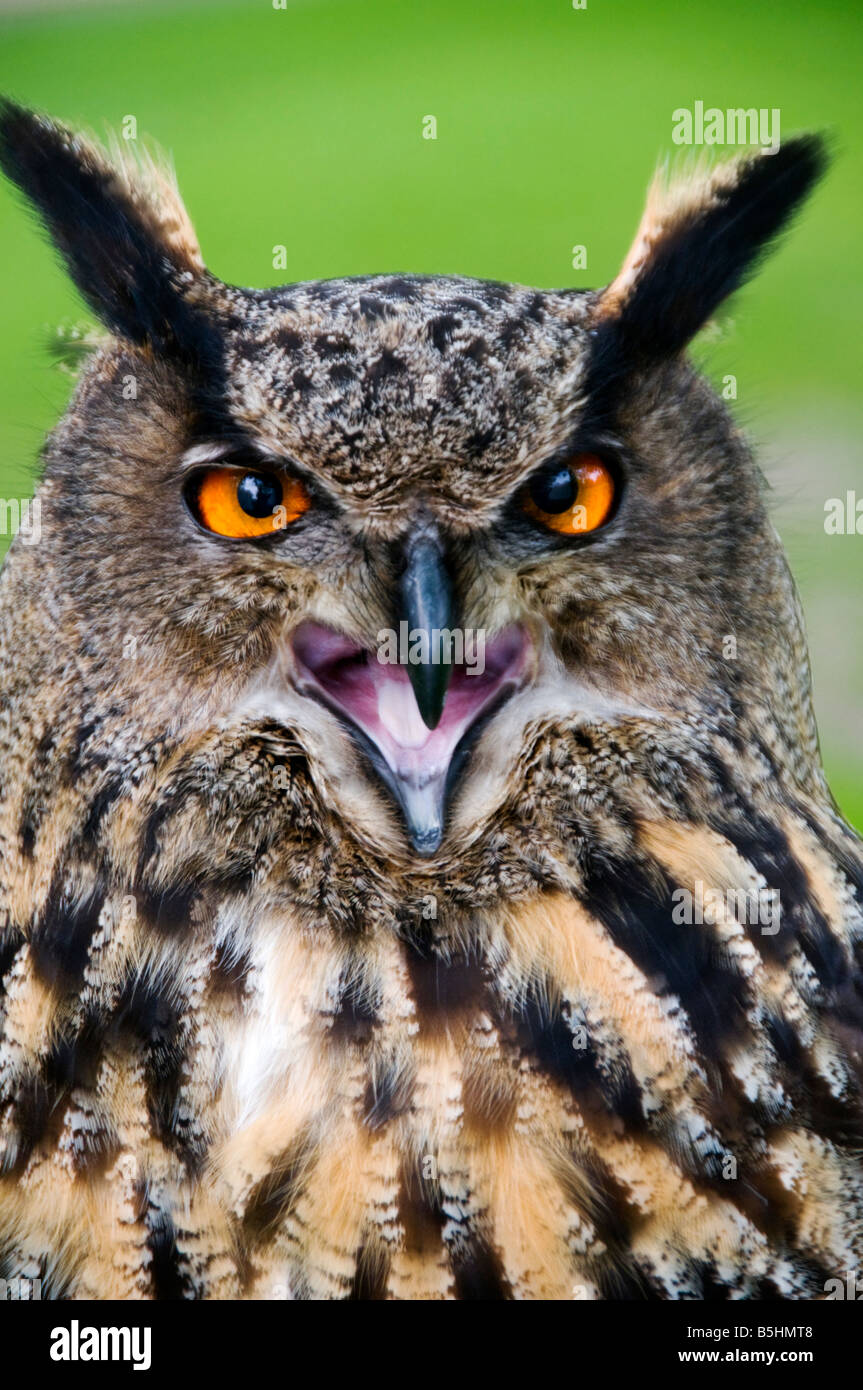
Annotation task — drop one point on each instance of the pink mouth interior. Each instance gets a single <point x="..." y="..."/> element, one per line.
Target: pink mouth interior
<point x="379" y="700"/>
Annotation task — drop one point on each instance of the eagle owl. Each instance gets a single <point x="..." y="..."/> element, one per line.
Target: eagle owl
<point x="419" y="880"/>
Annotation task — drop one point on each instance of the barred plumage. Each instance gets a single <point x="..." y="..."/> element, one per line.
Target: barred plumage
<point x="262" y="1035"/>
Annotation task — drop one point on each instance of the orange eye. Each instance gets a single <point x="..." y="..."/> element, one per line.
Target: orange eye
<point x="571" y="498"/>
<point x="241" y="503"/>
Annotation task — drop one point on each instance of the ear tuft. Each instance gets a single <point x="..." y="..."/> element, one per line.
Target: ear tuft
<point x="119" y="223"/>
<point x="699" y="239"/>
<point x="146" y="179"/>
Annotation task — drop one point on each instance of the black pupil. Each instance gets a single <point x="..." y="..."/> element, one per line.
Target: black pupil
<point x="259" y="493"/>
<point x="554" y="490"/>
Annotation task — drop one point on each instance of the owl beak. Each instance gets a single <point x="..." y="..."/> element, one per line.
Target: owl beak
<point x="415" y="709"/>
<point x="427" y="606"/>
<point x="376" y="699"/>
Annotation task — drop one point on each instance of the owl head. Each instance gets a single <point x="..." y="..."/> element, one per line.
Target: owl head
<point x="409" y="517"/>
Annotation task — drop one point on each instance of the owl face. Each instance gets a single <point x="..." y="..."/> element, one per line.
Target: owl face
<point x="390" y="459"/>
<point x="407" y="517"/>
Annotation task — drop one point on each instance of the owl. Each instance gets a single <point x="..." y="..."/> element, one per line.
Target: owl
<point x="418" y="876"/>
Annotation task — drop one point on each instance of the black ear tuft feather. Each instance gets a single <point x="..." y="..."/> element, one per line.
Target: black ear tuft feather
<point x="120" y="229"/>
<point x="697" y="243"/>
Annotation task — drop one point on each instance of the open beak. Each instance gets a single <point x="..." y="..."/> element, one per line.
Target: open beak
<point x="415" y="703"/>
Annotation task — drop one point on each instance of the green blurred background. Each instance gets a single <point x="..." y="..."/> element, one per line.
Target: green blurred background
<point x="303" y="126"/>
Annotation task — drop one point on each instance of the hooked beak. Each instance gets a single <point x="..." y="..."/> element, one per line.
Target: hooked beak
<point x="414" y="707"/>
<point x="427" y="607"/>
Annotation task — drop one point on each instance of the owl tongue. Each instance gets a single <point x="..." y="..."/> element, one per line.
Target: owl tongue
<point x="399" y="716"/>
<point x="377" y="701"/>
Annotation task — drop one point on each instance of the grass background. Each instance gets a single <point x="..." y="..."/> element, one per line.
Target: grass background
<point x="303" y="127"/>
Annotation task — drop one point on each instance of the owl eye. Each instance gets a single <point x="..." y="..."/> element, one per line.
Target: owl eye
<point x="571" y="498"/>
<point x="241" y="503"/>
